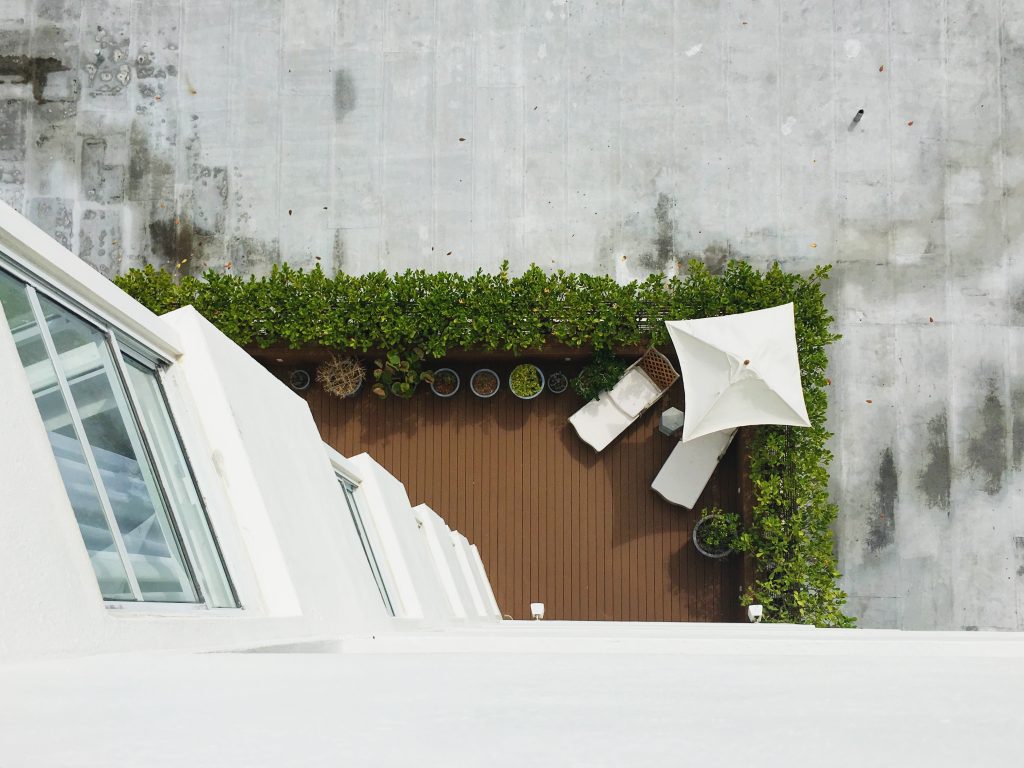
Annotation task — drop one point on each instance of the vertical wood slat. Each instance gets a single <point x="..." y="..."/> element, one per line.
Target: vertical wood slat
<point x="553" y="521"/>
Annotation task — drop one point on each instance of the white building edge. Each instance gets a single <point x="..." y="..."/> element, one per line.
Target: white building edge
<point x="275" y="537"/>
<point x="164" y="497"/>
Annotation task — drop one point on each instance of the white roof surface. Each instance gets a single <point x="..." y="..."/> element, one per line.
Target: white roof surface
<point x="542" y="693"/>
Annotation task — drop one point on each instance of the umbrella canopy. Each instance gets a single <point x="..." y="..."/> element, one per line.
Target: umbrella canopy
<point x="738" y="370"/>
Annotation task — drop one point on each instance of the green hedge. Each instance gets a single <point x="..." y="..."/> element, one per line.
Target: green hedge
<point x="790" y="539"/>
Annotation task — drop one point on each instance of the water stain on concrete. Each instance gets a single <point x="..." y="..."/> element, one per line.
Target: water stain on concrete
<point x="338" y="253"/>
<point x="344" y="94"/>
<point x="172" y="241"/>
<point x="934" y="481"/>
<point x="100" y="242"/>
<point x="1017" y="430"/>
<point x="102" y="177"/>
<point x="882" y="527"/>
<point x="12" y="128"/>
<point x="150" y="173"/>
<point x="250" y="255"/>
<point x="32" y="70"/>
<point x="664" y="239"/>
<point x="714" y="257"/>
<point x="986" y="446"/>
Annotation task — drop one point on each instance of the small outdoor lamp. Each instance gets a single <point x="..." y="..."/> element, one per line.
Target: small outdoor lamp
<point x="754" y="613"/>
<point x="537" y="610"/>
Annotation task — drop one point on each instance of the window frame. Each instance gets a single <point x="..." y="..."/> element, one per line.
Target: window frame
<point x="120" y="343"/>
<point x="372" y="547"/>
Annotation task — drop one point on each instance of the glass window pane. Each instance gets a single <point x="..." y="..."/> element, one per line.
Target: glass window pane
<point x="177" y="477"/>
<point x="153" y="552"/>
<point x="78" y="480"/>
<point x="364" y="539"/>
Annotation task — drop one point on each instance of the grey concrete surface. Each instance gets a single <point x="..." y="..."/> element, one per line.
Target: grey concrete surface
<point x="617" y="137"/>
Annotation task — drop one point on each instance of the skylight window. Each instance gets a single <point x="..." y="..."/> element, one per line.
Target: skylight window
<point x="119" y="456"/>
<point x="349" y="489"/>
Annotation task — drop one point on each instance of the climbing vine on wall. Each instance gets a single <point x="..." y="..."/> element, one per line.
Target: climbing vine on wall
<point x="790" y="538"/>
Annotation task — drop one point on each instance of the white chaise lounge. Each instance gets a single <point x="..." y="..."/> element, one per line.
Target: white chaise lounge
<point x="688" y="468"/>
<point x="606" y="417"/>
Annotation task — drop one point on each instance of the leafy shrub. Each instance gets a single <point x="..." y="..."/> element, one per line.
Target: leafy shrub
<point x="790" y="538"/>
<point x="601" y="373"/>
<point x="399" y="376"/>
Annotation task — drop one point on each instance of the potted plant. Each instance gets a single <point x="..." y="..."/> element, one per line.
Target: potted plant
<point x="716" y="532"/>
<point x="299" y="379"/>
<point x="601" y="373"/>
<point x="341" y="376"/>
<point x="484" y="383"/>
<point x="399" y="375"/>
<point x="446" y="382"/>
<point x="558" y="382"/>
<point x="526" y="381"/>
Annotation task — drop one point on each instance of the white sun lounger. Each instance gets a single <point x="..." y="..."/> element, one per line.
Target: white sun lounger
<point x="606" y="417"/>
<point x="688" y="468"/>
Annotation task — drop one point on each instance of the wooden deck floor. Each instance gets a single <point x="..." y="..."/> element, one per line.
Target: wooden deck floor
<point x="554" y="522"/>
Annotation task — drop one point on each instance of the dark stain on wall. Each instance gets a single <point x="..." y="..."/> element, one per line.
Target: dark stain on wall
<point x="172" y="242"/>
<point x="664" y="238"/>
<point x="12" y="130"/>
<point x="986" y="446"/>
<point x="338" y="254"/>
<point x="714" y="257"/>
<point x="248" y="254"/>
<point x="150" y="173"/>
<point x="934" y="481"/>
<point x="102" y="177"/>
<point x="344" y="94"/>
<point x="882" y="528"/>
<point x="30" y="70"/>
<point x="1017" y="431"/>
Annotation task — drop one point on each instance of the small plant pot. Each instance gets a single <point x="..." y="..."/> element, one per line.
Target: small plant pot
<point x="446" y="382"/>
<point x="703" y="547"/>
<point x="521" y="370"/>
<point x="341" y="376"/>
<point x="299" y="379"/>
<point x="558" y="382"/>
<point x="484" y="383"/>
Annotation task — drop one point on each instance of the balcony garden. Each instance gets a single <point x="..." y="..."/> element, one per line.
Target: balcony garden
<point x="403" y="324"/>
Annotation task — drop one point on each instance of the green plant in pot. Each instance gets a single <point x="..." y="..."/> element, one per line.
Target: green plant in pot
<point x="602" y="373"/>
<point x="526" y="381"/>
<point x="399" y="375"/>
<point x="716" y="533"/>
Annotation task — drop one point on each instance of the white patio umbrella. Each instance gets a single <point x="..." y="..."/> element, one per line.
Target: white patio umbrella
<point x="738" y="370"/>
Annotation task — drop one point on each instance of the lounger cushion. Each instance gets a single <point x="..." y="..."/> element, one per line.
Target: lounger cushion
<point x="600" y="421"/>
<point x="634" y="393"/>
<point x="689" y="467"/>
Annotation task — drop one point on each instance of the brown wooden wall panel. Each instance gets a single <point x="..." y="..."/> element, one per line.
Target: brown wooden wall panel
<point x="554" y="521"/>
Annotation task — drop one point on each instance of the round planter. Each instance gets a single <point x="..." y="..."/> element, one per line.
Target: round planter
<point x="700" y="548"/>
<point x="558" y="382"/>
<point x="473" y="383"/>
<point x="439" y="373"/>
<point x="342" y="377"/>
<point x="540" y="375"/>
<point x="299" y="380"/>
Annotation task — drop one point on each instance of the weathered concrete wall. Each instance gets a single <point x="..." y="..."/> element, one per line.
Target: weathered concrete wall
<point x="619" y="137"/>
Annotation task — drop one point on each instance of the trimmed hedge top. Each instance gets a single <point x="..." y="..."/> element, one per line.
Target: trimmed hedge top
<point x="790" y="539"/>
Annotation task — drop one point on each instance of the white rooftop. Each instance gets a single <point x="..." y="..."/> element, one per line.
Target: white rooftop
<point x="543" y="693"/>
